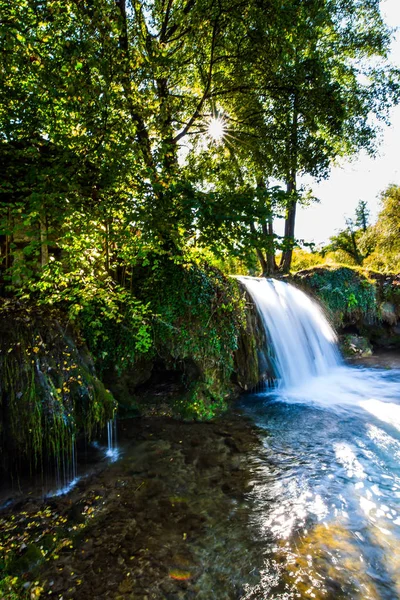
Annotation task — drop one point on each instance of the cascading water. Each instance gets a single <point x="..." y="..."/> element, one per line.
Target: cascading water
<point x="327" y="490"/>
<point x="112" y="448"/>
<point x="302" y="341"/>
<point x="66" y="470"/>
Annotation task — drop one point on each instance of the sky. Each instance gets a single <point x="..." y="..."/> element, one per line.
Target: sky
<point x="363" y="178"/>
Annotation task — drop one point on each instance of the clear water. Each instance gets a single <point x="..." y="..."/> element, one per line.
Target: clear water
<point x="326" y="492"/>
<point x="327" y="489"/>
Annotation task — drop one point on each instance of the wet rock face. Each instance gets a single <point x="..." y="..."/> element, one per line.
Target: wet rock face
<point x="251" y="358"/>
<point x="49" y="389"/>
<point x="169" y="519"/>
<point x="389" y="313"/>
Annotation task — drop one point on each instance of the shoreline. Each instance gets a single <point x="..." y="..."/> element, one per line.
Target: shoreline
<point x="388" y="359"/>
<point x="144" y="525"/>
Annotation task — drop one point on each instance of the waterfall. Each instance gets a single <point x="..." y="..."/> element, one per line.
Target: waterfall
<point x="112" y="448"/>
<point x="302" y="343"/>
<point x="66" y="474"/>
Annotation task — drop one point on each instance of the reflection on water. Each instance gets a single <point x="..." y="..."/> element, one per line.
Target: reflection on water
<point x="327" y="487"/>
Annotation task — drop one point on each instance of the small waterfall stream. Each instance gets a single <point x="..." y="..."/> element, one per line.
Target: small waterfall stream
<point x="112" y="448"/>
<point x="66" y="466"/>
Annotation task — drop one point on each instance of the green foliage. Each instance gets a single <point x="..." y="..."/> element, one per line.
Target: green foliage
<point x="48" y="391"/>
<point x="347" y="293"/>
<point x="113" y="322"/>
<point x="375" y="247"/>
<point x="384" y="236"/>
<point x="10" y="588"/>
<point x="198" y="312"/>
<point x="353" y="244"/>
<point x="303" y="259"/>
<point x="97" y="97"/>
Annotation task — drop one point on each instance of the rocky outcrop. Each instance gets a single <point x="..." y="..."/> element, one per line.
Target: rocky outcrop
<point x="252" y="365"/>
<point x="49" y="391"/>
<point x="353" y="345"/>
<point x="359" y="302"/>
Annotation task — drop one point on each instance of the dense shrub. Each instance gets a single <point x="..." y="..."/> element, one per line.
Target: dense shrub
<point x="348" y="294"/>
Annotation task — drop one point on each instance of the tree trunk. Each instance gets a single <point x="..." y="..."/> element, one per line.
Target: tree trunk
<point x="290" y="219"/>
<point x="9" y="240"/>
<point x="356" y="253"/>
<point x="286" y="258"/>
<point x="260" y="255"/>
<point x="44" y="248"/>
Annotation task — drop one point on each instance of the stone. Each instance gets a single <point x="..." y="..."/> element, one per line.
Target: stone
<point x="355" y="345"/>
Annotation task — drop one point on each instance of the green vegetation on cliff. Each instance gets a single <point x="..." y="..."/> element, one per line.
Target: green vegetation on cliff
<point x="357" y="300"/>
<point x="347" y="293"/>
<point x="49" y="392"/>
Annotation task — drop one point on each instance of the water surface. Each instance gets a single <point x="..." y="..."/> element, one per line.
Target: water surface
<point x="326" y="496"/>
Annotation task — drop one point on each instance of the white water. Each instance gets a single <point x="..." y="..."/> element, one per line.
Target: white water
<point x="112" y="448"/>
<point x="302" y="341"/>
<point x="66" y="471"/>
<point x="306" y="359"/>
<point x="327" y="491"/>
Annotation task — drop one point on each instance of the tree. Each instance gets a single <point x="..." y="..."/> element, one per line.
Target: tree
<point x="327" y="108"/>
<point x="100" y="96"/>
<point x="362" y="215"/>
<point x="384" y="236"/>
<point x="353" y="240"/>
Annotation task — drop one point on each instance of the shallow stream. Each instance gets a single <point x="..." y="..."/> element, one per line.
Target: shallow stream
<point x="326" y="495"/>
<point x="295" y="495"/>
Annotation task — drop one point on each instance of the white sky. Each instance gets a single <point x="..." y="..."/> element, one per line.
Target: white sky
<point x="363" y="178"/>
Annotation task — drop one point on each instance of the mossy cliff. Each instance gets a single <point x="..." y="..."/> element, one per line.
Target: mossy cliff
<point x="358" y="301"/>
<point x="49" y="391"/>
<point x="203" y="350"/>
<point x="252" y="364"/>
<point x="204" y="345"/>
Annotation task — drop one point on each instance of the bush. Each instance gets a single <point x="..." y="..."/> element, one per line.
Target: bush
<point x="197" y="315"/>
<point x="347" y="293"/>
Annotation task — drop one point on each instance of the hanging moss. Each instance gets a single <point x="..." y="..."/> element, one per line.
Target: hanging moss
<point x="49" y="392"/>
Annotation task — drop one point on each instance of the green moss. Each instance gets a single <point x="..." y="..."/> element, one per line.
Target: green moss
<point x="10" y="589"/>
<point x="198" y="315"/>
<point x="49" y="392"/>
<point x="348" y="293"/>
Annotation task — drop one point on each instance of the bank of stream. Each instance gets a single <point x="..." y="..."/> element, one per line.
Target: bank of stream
<point x="167" y="520"/>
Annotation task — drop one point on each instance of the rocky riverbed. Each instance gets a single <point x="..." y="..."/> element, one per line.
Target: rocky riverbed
<point x="167" y="520"/>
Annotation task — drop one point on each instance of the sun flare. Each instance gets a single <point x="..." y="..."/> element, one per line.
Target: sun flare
<point x="216" y="129"/>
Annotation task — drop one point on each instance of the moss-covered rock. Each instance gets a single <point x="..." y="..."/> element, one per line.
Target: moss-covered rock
<point x="251" y="357"/>
<point x="49" y="391"/>
<point x="353" y="345"/>
<point x="358" y="301"/>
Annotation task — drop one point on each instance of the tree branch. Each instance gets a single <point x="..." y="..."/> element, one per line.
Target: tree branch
<point x="205" y="95"/>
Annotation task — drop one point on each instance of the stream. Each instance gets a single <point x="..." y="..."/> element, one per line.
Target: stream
<point x="326" y="495"/>
<point x="294" y="494"/>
